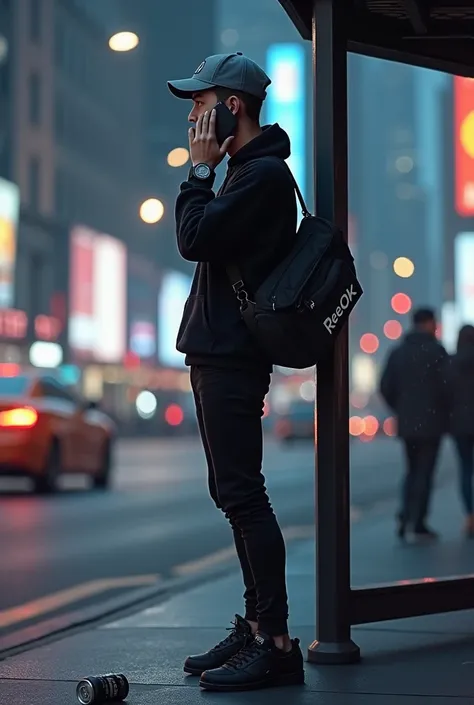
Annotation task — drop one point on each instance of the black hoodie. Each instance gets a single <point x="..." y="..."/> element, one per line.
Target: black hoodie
<point x="251" y="222"/>
<point x="461" y="392"/>
<point x="414" y="386"/>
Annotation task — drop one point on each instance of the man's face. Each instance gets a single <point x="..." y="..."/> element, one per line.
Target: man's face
<point x="429" y="326"/>
<point x="206" y="100"/>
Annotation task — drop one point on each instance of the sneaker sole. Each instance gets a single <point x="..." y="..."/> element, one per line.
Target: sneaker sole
<point x="193" y="671"/>
<point x="199" y="671"/>
<point x="287" y="679"/>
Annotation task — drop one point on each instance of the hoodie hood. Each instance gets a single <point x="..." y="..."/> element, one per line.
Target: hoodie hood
<point x="465" y="357"/>
<point x="271" y="142"/>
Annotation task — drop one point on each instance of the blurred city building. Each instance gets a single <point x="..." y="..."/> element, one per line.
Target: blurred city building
<point x="33" y="245"/>
<point x="396" y="198"/>
<point x="92" y="151"/>
<point x="175" y="38"/>
<point x="93" y="148"/>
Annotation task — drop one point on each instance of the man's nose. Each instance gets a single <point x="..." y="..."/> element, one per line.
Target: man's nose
<point x="192" y="117"/>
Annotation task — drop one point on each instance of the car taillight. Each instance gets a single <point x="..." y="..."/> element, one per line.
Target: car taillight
<point x="18" y="418"/>
<point x="174" y="415"/>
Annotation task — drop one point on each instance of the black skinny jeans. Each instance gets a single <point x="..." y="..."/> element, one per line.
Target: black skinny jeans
<point x="421" y="455"/>
<point x="229" y="407"/>
<point x="465" y="449"/>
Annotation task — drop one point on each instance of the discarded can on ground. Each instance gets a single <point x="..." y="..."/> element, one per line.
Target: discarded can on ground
<point x="97" y="690"/>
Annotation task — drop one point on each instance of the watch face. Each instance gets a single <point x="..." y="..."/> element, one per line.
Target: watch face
<point x="202" y="171"/>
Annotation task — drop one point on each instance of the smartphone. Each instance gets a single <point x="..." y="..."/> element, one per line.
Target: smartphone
<point x="226" y="122"/>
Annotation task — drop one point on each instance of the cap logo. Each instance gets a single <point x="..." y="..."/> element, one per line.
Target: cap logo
<point x="200" y="67"/>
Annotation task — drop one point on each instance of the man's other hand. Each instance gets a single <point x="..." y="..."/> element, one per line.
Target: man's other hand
<point x="203" y="144"/>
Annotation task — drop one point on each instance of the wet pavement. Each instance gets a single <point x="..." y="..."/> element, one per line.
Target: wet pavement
<point x="407" y="662"/>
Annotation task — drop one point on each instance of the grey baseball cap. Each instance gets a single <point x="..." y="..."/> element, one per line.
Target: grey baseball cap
<point x="234" y="71"/>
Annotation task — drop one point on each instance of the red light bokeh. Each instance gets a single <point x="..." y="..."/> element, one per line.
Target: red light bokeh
<point x="392" y="330"/>
<point x="369" y="343"/>
<point x="174" y="415"/>
<point x="401" y="303"/>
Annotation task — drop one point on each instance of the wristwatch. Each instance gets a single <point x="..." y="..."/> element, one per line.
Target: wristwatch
<point x="201" y="171"/>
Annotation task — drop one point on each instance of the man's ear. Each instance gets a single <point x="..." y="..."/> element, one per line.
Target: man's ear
<point x="233" y="103"/>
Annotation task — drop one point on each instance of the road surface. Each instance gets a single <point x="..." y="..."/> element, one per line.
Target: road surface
<point x="157" y="522"/>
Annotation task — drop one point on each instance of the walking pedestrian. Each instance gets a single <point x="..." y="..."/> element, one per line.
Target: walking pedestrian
<point x="251" y="223"/>
<point x="413" y="385"/>
<point x="461" y="417"/>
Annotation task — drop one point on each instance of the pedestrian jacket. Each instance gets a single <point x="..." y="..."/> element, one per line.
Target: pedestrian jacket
<point x="414" y="385"/>
<point x="461" y="392"/>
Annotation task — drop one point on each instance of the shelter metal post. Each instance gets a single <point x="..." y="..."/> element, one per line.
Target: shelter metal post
<point x="333" y="642"/>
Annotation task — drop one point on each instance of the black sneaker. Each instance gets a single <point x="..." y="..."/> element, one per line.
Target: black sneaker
<point x="258" y="665"/>
<point x="240" y="635"/>
<point x="401" y="527"/>
<point x="423" y="534"/>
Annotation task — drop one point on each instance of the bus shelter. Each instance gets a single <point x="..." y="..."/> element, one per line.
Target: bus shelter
<point x="436" y="34"/>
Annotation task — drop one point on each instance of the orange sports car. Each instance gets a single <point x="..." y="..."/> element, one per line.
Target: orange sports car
<point x="45" y="431"/>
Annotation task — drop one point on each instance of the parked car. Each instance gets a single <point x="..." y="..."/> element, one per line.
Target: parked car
<point x="298" y="422"/>
<point x="46" y="430"/>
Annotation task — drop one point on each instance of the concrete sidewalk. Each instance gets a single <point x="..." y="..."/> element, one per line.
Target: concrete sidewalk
<point x="405" y="662"/>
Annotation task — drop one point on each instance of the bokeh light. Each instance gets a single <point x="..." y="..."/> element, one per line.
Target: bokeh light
<point x="229" y="37"/>
<point x="403" y="267"/>
<point x="369" y="343"/>
<point x="174" y="415"/>
<point x="390" y="426"/>
<point x="178" y="157"/>
<point x="401" y="303"/>
<point x="392" y="330"/>
<point x="404" y="164"/>
<point x="308" y="390"/>
<point x="146" y="404"/>
<point x="356" y="426"/>
<point x="151" y="210"/>
<point x="124" y="41"/>
<point x="358" y="400"/>
<point x="371" y="425"/>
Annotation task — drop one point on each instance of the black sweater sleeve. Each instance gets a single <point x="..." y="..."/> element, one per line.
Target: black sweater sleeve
<point x="215" y="229"/>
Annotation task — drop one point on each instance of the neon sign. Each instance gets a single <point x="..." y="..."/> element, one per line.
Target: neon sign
<point x="14" y="325"/>
<point x="464" y="145"/>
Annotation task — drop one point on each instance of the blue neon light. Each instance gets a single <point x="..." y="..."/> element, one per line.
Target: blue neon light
<point x="286" y="101"/>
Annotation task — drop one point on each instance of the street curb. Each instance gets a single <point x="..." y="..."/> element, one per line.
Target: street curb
<point x="106" y="611"/>
<point x="79" y="620"/>
<point x="73" y="622"/>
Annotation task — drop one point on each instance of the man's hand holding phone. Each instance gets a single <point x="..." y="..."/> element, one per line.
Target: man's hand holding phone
<point x="203" y="144"/>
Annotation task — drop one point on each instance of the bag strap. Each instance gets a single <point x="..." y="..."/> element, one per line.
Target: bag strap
<point x="235" y="278"/>
<point x="233" y="272"/>
<point x="304" y="210"/>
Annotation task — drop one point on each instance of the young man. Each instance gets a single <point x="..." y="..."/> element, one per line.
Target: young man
<point x="414" y="386"/>
<point x="250" y="222"/>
